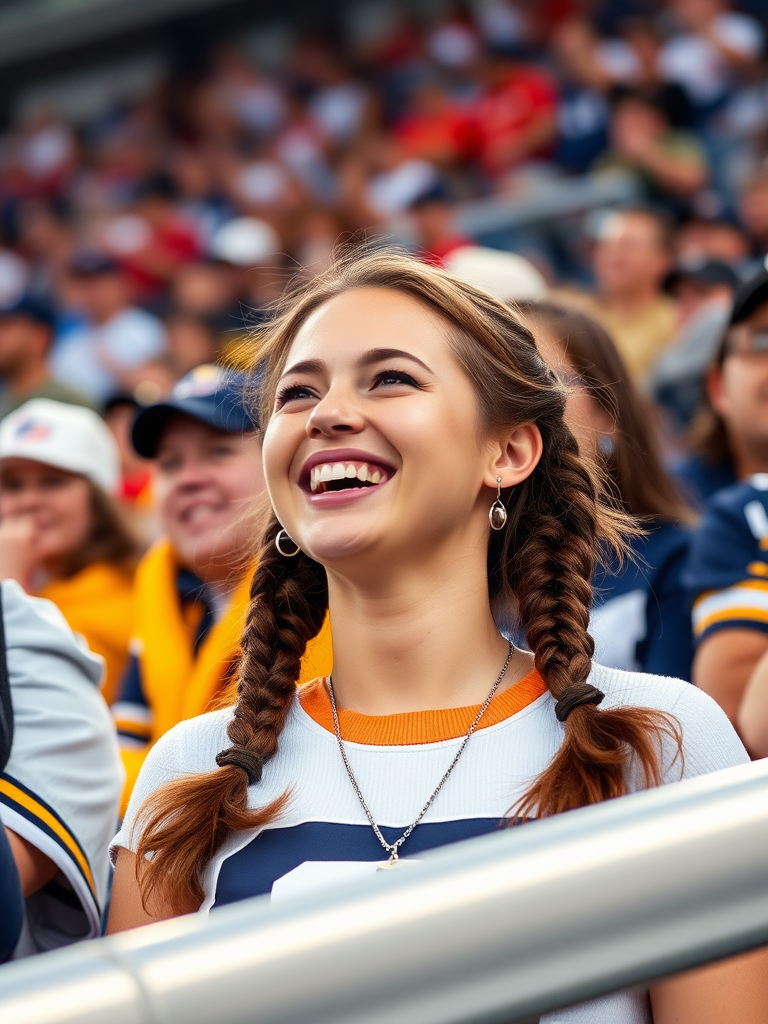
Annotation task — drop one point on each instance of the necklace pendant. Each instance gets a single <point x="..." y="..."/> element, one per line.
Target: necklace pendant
<point x="393" y="862"/>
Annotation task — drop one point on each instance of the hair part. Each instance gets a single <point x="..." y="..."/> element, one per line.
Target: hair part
<point x="541" y="564"/>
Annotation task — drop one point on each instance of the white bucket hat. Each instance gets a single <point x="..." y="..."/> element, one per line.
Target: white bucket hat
<point x="66" y="436"/>
<point x="507" y="276"/>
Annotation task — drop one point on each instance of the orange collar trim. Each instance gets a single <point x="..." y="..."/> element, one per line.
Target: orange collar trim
<point x="413" y="727"/>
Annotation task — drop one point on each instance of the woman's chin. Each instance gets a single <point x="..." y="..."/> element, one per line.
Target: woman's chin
<point x="330" y="545"/>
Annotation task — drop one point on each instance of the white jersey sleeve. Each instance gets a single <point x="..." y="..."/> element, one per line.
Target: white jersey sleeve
<point x="61" y="788"/>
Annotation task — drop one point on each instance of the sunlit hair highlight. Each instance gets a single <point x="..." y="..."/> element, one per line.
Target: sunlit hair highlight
<point x="539" y="567"/>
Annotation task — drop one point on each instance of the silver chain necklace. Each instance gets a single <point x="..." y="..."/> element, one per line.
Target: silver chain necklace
<point x="392" y="848"/>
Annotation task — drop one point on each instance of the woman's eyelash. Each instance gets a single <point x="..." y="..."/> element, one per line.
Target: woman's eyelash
<point x="400" y="376"/>
<point x="292" y="392"/>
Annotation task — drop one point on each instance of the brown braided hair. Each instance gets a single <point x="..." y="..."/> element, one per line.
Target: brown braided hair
<point x="539" y="566"/>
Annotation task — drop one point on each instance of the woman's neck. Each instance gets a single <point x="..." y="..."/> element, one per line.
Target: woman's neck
<point x="419" y="641"/>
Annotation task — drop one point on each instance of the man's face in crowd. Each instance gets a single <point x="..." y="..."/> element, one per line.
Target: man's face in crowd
<point x="205" y="484"/>
<point x="739" y="390"/>
<point x="20" y="338"/>
<point x="630" y="255"/>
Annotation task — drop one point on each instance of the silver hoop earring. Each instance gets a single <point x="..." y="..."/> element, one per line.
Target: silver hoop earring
<point x="282" y="535"/>
<point x="497" y="514"/>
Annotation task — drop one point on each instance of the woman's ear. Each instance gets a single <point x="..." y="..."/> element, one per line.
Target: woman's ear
<point x="515" y="456"/>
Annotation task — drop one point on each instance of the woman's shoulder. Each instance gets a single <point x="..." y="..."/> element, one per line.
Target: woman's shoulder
<point x="191" y="746"/>
<point x="709" y="740"/>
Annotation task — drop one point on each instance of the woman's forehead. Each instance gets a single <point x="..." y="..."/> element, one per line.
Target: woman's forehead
<point x="366" y="318"/>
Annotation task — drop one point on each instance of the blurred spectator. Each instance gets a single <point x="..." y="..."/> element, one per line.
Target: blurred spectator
<point x="753" y="209"/>
<point x="434" y="127"/>
<point x="26" y="335"/>
<point x="433" y="216"/>
<point x="135" y="484"/>
<point x="729" y="438"/>
<point x="698" y="240"/>
<point x="713" y="45"/>
<point x="109" y="353"/>
<point x="61" y="534"/>
<point x="632" y="256"/>
<point x="192" y="587"/>
<point x="582" y="116"/>
<point x="515" y="115"/>
<point x="728" y="580"/>
<point x="202" y="289"/>
<point x="640" y="618"/>
<point x="153" y="240"/>
<point x="60" y="787"/>
<point x="704" y="291"/>
<point x="192" y="340"/>
<point x="670" y="164"/>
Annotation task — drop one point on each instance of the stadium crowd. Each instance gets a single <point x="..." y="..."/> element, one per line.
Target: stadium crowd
<point x="140" y="255"/>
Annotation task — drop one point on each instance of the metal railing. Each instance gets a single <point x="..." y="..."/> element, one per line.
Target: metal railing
<point x="497" y="929"/>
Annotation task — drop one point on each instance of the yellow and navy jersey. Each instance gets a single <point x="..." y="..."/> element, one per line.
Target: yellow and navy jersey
<point x="60" y="788"/>
<point x="322" y="835"/>
<point x="132" y="711"/>
<point x="727" y="573"/>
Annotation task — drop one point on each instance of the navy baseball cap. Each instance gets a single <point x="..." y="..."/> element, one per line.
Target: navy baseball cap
<point x="750" y="297"/>
<point x="29" y="307"/>
<point x="213" y="395"/>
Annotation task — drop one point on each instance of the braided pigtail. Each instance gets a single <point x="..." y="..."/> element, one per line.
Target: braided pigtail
<point x="289" y="599"/>
<point x="547" y="560"/>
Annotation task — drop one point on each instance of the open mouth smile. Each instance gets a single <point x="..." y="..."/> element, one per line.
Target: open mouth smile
<point x="341" y="476"/>
<point x="347" y="474"/>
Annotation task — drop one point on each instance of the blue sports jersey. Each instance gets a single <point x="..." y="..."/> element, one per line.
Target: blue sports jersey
<point x="727" y="572"/>
<point x="700" y="480"/>
<point x="641" y="616"/>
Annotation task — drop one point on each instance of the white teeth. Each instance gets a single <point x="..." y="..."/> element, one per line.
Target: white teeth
<point x="322" y="474"/>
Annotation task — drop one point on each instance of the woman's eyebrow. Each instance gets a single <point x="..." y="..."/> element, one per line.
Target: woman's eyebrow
<point x="305" y="366"/>
<point x="380" y="355"/>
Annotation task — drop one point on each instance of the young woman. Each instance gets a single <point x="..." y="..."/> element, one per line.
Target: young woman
<point x="62" y="535"/>
<point x="422" y="479"/>
<point x="641" y="615"/>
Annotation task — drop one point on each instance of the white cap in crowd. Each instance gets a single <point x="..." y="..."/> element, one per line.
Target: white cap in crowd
<point x="69" y="437"/>
<point x="507" y="276"/>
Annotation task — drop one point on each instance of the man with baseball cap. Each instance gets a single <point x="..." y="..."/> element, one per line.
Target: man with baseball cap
<point x="192" y="586"/>
<point x="728" y="570"/>
<point x="26" y="333"/>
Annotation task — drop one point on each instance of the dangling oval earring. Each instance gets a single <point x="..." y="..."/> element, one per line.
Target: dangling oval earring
<point x="282" y="535"/>
<point x="497" y="514"/>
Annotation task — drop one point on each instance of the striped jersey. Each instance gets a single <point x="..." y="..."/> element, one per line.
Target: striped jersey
<point x="61" y="786"/>
<point x="727" y="572"/>
<point x="397" y="761"/>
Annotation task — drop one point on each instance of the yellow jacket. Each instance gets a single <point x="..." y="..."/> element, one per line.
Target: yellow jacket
<point x="97" y="602"/>
<point x="167" y="681"/>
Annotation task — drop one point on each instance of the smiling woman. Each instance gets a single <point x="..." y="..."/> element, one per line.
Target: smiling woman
<point x="432" y="728"/>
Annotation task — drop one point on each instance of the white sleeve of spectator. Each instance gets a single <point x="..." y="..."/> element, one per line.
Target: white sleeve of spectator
<point x="61" y="787"/>
<point x="710" y="742"/>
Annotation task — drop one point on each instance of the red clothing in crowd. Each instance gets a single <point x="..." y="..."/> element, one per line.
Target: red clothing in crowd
<point x="505" y="114"/>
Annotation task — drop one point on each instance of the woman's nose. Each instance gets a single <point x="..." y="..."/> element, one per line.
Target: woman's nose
<point x="334" y="415"/>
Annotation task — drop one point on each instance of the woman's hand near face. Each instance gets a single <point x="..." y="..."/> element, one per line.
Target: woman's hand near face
<point x="17" y="549"/>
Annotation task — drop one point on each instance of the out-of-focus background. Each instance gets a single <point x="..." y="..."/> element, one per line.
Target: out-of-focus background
<point x="166" y="166"/>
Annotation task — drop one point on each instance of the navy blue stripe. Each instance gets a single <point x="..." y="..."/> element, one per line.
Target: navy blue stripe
<point x="253" y="870"/>
<point x="31" y="817"/>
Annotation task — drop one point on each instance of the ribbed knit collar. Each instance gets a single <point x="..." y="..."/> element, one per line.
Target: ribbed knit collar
<point x="413" y="727"/>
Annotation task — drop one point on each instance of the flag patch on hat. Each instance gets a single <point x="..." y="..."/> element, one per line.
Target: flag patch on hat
<point x="33" y="430"/>
<point x="200" y="383"/>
